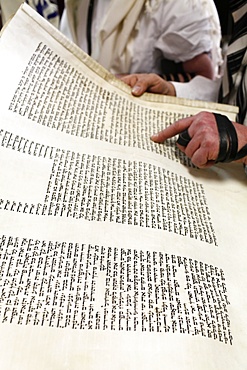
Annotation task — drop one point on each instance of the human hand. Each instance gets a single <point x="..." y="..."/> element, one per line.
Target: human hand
<point x="204" y="144"/>
<point x="150" y="82"/>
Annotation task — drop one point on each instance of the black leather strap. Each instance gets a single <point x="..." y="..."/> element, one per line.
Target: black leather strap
<point x="89" y="26"/>
<point x="184" y="138"/>
<point x="228" y="139"/>
<point x="242" y="153"/>
<point x="223" y="139"/>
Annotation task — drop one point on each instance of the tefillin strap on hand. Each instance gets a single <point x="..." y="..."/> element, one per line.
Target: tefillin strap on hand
<point x="184" y="138"/>
<point x="228" y="150"/>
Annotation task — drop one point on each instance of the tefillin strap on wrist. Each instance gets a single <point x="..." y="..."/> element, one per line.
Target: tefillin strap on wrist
<point x="228" y="150"/>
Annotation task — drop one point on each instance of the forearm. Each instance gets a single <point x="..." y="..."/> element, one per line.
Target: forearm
<point x="200" y="65"/>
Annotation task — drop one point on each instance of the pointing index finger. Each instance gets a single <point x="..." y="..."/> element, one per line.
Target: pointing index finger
<point x="172" y="130"/>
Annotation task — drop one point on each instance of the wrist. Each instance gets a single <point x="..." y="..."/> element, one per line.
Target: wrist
<point x="170" y="89"/>
<point x="242" y="140"/>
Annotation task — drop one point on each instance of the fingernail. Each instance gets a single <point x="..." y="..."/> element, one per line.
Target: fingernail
<point x="136" y="89"/>
<point x="154" y="137"/>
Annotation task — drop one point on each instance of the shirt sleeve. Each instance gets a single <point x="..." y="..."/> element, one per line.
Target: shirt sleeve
<point x="199" y="88"/>
<point x="186" y="31"/>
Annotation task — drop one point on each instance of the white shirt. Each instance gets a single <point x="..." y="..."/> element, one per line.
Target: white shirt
<point x="177" y="30"/>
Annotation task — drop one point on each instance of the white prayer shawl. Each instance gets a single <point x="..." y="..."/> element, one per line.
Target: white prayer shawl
<point x="48" y="9"/>
<point x="117" y="29"/>
<point x="8" y="8"/>
<point x="127" y="35"/>
<point x="116" y="34"/>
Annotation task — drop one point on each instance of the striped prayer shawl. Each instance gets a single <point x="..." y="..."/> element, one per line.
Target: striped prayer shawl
<point x="47" y="8"/>
<point x="242" y="99"/>
<point x="234" y="87"/>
